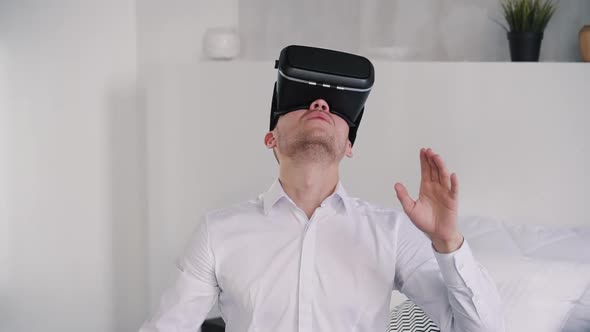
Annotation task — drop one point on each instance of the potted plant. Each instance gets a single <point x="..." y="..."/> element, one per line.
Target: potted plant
<point x="527" y="20"/>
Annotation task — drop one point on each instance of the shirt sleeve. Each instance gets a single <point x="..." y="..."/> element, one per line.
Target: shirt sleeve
<point x="453" y="289"/>
<point x="185" y="305"/>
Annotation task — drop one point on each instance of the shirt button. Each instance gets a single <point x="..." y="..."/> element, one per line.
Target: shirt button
<point x="460" y="266"/>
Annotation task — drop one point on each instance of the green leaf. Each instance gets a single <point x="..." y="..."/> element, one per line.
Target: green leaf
<point x="528" y="15"/>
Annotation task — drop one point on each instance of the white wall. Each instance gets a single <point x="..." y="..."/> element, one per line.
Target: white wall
<point x="431" y="30"/>
<point x="169" y="33"/>
<point x="72" y="239"/>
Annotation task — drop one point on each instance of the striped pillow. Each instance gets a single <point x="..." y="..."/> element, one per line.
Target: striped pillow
<point x="408" y="317"/>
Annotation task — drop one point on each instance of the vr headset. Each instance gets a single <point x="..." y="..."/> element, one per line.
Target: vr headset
<point x="305" y="74"/>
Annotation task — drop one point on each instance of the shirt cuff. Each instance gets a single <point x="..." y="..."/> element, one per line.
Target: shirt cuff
<point x="455" y="266"/>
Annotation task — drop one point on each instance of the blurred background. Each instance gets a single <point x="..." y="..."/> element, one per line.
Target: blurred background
<point x="119" y="127"/>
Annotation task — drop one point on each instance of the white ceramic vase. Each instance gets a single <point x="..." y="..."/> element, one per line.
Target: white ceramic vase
<point x="221" y="43"/>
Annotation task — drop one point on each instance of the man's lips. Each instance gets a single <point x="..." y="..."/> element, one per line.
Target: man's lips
<point x="319" y="115"/>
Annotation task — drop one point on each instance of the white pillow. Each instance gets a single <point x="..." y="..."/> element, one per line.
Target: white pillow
<point x="579" y="319"/>
<point x="537" y="295"/>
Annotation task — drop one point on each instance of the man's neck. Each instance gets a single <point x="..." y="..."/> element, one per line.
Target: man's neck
<point x="308" y="185"/>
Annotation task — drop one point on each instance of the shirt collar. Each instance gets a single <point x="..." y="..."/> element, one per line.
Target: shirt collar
<point x="276" y="192"/>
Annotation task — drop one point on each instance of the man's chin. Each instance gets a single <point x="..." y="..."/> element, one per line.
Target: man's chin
<point x="319" y="143"/>
<point x="317" y="133"/>
<point x="325" y="145"/>
<point x="317" y="138"/>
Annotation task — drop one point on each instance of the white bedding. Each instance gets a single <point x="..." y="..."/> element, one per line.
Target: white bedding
<point x="542" y="272"/>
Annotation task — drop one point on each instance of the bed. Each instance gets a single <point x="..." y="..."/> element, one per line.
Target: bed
<point x="542" y="274"/>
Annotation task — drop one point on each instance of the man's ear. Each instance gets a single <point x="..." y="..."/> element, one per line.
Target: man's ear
<point x="269" y="140"/>
<point x="348" y="149"/>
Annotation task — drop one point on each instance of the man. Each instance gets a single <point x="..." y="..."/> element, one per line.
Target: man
<point x="306" y="256"/>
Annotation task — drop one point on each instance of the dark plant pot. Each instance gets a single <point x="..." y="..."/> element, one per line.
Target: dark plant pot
<point x="525" y="46"/>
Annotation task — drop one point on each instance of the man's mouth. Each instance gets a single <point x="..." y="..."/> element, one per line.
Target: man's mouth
<point x="320" y="116"/>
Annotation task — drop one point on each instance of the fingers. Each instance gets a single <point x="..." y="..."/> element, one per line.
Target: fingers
<point x="424" y="166"/>
<point x="433" y="165"/>
<point x="454" y="186"/>
<point x="443" y="173"/>
<point x="404" y="198"/>
<point x="433" y="168"/>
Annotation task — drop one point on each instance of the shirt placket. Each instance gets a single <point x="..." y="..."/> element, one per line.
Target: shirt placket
<point x="306" y="274"/>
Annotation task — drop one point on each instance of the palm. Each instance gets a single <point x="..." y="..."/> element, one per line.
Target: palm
<point x="435" y="210"/>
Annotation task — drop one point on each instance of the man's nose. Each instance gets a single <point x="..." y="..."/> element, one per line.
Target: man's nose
<point x="319" y="104"/>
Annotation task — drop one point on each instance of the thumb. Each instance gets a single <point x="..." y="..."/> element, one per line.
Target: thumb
<point x="404" y="198"/>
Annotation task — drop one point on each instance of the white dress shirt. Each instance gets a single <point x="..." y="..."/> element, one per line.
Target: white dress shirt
<point x="273" y="269"/>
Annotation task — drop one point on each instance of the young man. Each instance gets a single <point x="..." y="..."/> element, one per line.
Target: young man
<point x="306" y="256"/>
